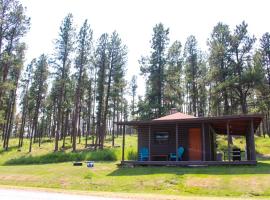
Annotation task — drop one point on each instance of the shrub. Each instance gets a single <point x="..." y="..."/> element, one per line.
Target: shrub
<point x="132" y="155"/>
<point x="56" y="157"/>
<point x="102" y="155"/>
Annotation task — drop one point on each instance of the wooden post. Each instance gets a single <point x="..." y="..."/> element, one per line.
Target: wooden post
<point x="138" y="143"/>
<point x="123" y="143"/>
<point x="229" y="144"/>
<point x="203" y="139"/>
<point x="176" y="142"/>
<point x="252" y="142"/>
<point x="248" y="145"/>
<point x="149" y="143"/>
<point x="214" y="142"/>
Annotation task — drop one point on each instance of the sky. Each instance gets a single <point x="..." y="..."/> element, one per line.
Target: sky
<point x="134" y="21"/>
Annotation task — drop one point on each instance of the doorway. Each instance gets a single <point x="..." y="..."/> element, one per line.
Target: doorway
<point x="195" y="144"/>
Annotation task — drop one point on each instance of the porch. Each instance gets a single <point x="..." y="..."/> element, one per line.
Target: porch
<point x="187" y="163"/>
<point x="197" y="136"/>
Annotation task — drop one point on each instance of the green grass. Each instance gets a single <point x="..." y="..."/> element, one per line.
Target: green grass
<point x="262" y="145"/>
<point x="107" y="177"/>
<point x="45" y="153"/>
<point x="56" y="157"/>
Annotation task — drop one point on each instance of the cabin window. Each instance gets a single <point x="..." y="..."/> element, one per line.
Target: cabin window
<point x="161" y="137"/>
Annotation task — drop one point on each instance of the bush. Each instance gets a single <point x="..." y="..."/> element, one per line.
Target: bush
<point x="132" y="155"/>
<point x="56" y="157"/>
<point x="102" y="155"/>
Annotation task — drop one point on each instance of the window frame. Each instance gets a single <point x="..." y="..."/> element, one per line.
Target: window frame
<point x="161" y="141"/>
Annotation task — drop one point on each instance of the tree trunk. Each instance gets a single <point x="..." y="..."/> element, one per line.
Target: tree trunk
<point x="11" y="118"/>
<point x="89" y="110"/>
<point x="243" y="101"/>
<point x="79" y="124"/>
<point x="117" y="116"/>
<point x="66" y="128"/>
<point x="113" y="118"/>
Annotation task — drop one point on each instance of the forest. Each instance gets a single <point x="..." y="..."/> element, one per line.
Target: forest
<point x="81" y="90"/>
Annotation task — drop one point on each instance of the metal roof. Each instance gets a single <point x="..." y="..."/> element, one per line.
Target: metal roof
<point x="238" y="123"/>
<point x="174" y="116"/>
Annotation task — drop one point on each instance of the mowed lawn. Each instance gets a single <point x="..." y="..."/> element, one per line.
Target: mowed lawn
<point x="106" y="176"/>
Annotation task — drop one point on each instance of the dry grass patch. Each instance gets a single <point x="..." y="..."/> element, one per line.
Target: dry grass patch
<point x="17" y="177"/>
<point x="203" y="182"/>
<point x="257" y="184"/>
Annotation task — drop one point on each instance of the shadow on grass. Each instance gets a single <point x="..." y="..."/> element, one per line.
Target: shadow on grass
<point x="62" y="156"/>
<point x="2" y="151"/>
<point x="261" y="168"/>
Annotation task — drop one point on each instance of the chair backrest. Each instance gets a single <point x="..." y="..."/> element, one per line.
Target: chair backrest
<point x="180" y="151"/>
<point x="144" y="151"/>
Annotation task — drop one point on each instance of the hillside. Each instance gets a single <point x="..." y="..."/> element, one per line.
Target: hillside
<point x="106" y="176"/>
<point x="45" y="153"/>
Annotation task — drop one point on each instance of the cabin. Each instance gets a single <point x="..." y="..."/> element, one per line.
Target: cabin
<point x="179" y="139"/>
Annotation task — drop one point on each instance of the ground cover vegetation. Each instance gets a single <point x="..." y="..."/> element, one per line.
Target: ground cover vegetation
<point x="81" y="90"/>
<point x="44" y="168"/>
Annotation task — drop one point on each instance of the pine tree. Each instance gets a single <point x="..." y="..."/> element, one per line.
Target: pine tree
<point x="265" y="52"/>
<point x="64" y="48"/>
<point x="117" y="63"/>
<point x="26" y="82"/>
<point x="14" y="76"/>
<point x="241" y="80"/>
<point x="133" y="87"/>
<point x="191" y="74"/>
<point x="153" y="68"/>
<point x="13" y="26"/>
<point x="220" y="70"/>
<point x="82" y="60"/>
<point x="174" y="94"/>
<point x="101" y="63"/>
<point x="38" y="91"/>
<point x="111" y="59"/>
<point x="202" y="86"/>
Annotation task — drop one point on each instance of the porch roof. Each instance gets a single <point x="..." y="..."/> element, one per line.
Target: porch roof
<point x="238" y="124"/>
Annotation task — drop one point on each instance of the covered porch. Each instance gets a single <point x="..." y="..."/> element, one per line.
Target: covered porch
<point x="197" y="136"/>
<point x="186" y="163"/>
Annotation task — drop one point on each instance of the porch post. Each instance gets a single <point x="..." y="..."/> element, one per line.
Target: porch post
<point x="176" y="142"/>
<point x="248" y="144"/>
<point x="252" y="142"/>
<point x="214" y="142"/>
<point x="149" y="143"/>
<point x="229" y="144"/>
<point x="123" y="143"/>
<point x="203" y="136"/>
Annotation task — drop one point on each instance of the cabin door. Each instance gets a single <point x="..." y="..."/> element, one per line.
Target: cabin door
<point x="195" y="144"/>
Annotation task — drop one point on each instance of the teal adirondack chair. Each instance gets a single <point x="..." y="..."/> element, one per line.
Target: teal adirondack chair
<point x="180" y="152"/>
<point x="143" y="154"/>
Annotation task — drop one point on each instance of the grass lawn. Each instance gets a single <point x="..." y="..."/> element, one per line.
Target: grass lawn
<point x="262" y="145"/>
<point x="45" y="153"/>
<point x="107" y="177"/>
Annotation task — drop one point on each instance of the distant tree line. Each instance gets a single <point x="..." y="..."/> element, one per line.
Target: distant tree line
<point x="232" y="77"/>
<point x="79" y="91"/>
